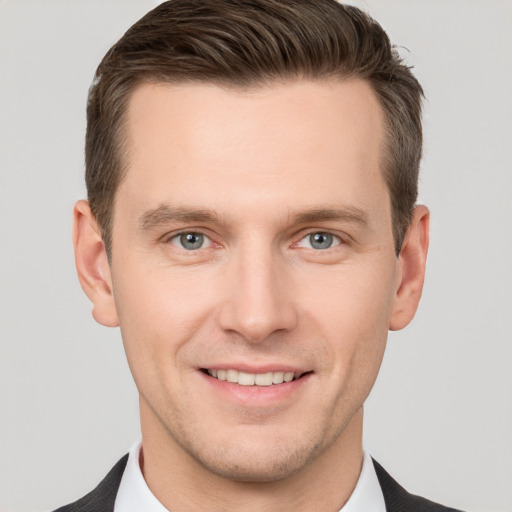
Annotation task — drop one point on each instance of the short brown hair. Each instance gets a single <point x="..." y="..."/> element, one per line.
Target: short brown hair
<point x="250" y="43"/>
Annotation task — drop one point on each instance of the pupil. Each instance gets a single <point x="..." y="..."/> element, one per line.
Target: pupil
<point x="191" y="240"/>
<point x="321" y="240"/>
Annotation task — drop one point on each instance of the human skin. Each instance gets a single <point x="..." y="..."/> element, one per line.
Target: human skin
<point x="253" y="174"/>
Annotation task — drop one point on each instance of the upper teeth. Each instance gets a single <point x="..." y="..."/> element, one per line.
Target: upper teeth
<point x="253" y="379"/>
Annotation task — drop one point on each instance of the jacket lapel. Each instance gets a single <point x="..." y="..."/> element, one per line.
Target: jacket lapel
<point x="103" y="497"/>
<point x="397" y="499"/>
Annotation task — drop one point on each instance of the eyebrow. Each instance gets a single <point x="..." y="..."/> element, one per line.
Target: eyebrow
<point x="165" y="213"/>
<point x="348" y="213"/>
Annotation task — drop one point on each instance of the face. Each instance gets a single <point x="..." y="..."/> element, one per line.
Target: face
<point x="253" y="270"/>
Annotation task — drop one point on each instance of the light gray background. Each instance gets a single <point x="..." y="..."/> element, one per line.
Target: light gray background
<point x="440" y="417"/>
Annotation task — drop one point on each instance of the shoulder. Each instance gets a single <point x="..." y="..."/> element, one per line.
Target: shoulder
<point x="397" y="499"/>
<point x="103" y="497"/>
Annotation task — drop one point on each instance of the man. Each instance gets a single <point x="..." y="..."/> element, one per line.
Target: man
<point x="251" y="227"/>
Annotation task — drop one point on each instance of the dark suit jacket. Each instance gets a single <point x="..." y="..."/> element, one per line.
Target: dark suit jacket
<point x="397" y="499"/>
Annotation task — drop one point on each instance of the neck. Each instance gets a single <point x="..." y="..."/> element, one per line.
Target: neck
<point x="181" y="483"/>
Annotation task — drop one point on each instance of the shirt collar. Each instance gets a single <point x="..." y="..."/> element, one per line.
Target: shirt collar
<point x="367" y="494"/>
<point x="134" y="494"/>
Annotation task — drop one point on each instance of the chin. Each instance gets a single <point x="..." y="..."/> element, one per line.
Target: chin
<point x="258" y="463"/>
<point x="260" y="469"/>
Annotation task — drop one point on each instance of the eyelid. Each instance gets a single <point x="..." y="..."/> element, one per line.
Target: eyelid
<point x="181" y="231"/>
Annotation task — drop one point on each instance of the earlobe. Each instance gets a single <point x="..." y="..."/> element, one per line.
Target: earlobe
<point x="412" y="261"/>
<point x="92" y="265"/>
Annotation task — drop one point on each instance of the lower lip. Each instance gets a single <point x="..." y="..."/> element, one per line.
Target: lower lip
<point x="256" y="396"/>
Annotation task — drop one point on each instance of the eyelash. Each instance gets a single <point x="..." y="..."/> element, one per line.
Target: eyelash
<point x="336" y="240"/>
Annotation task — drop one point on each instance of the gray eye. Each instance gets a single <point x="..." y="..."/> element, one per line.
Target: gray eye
<point x="191" y="241"/>
<point x="321" y="240"/>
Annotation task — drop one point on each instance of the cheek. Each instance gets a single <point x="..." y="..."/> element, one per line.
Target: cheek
<point x="352" y="308"/>
<point x="159" y="312"/>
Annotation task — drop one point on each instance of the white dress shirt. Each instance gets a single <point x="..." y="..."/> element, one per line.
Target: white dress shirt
<point x="134" y="494"/>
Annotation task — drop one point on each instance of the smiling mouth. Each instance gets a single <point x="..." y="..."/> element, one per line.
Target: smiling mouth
<point x="253" y="379"/>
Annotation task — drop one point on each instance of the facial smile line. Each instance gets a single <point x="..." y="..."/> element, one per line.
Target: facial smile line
<point x="253" y="379"/>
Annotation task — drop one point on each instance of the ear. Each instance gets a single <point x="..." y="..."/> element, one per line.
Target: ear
<point x="411" y="269"/>
<point x="92" y="265"/>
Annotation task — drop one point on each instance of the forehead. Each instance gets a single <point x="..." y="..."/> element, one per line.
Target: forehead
<point x="290" y="139"/>
<point x="272" y="108"/>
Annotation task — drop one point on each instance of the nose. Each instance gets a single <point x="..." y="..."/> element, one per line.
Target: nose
<point x="258" y="296"/>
